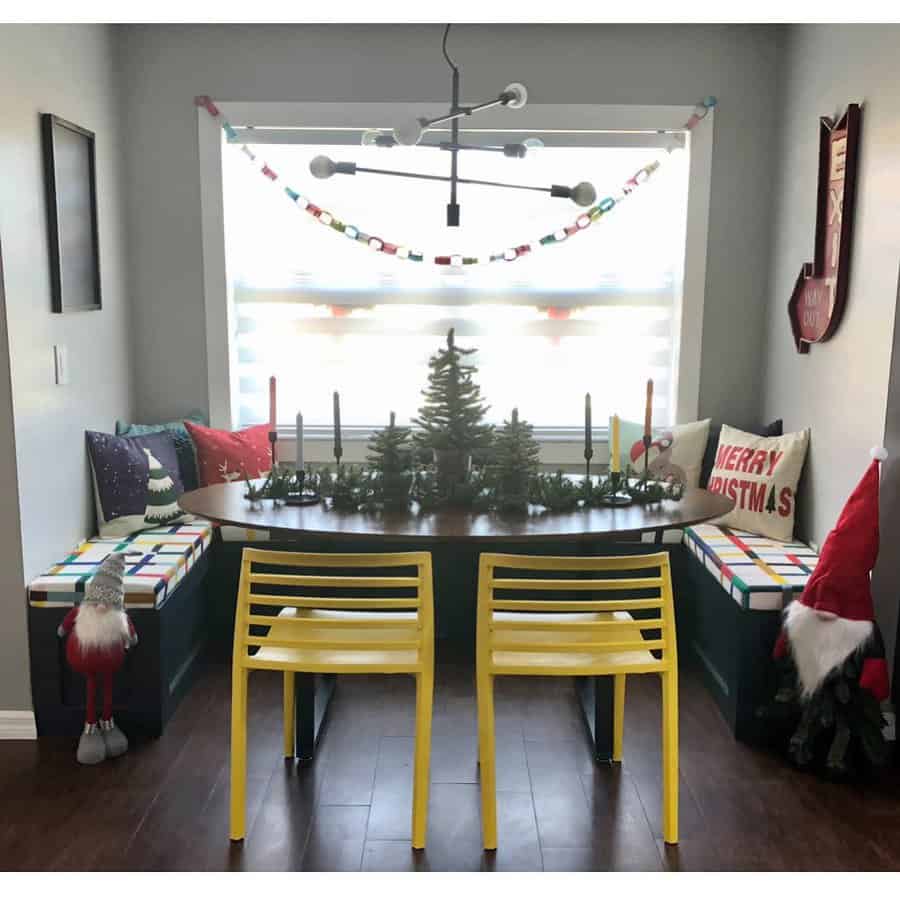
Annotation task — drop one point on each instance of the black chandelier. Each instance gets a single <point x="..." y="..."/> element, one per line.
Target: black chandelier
<point x="409" y="134"/>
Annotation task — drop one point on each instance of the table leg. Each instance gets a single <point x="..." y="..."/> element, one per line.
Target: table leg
<point x="595" y="694"/>
<point x="312" y="695"/>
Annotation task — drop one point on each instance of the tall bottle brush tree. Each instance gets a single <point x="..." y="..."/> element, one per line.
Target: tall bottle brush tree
<point x="452" y="418"/>
<point x="390" y="458"/>
<point x="516" y="462"/>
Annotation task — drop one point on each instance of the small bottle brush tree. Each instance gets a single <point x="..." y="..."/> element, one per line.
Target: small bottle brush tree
<point x="516" y="462"/>
<point x="452" y="417"/>
<point x="390" y="459"/>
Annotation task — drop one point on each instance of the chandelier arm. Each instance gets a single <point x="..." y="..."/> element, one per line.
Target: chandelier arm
<point x="422" y="176"/>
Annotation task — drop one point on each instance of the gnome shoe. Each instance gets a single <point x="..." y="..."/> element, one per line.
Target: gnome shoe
<point x="113" y="738"/>
<point x="91" y="746"/>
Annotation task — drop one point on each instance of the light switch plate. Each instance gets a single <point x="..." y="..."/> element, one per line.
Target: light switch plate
<point x="61" y="363"/>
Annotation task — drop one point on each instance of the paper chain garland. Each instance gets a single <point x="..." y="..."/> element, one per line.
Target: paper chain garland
<point x="509" y="255"/>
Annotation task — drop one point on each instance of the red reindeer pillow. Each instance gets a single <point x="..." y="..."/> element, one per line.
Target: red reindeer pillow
<point x="230" y="455"/>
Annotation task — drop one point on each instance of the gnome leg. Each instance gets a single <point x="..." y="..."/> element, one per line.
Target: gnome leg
<point x="91" y="748"/>
<point x="113" y="738"/>
<point x="837" y="763"/>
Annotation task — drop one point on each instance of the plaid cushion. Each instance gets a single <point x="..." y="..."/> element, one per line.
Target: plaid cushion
<point x="155" y="562"/>
<point x="757" y="572"/>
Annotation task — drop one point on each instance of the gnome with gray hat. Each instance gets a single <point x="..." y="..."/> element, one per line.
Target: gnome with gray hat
<point x="98" y="632"/>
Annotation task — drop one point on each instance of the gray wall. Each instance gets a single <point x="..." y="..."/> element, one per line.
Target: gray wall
<point x="67" y="70"/>
<point x="840" y="388"/>
<point x="163" y="67"/>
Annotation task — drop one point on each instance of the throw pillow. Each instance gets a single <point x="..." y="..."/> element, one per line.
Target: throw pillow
<point x="162" y="499"/>
<point x="760" y="474"/>
<point x="187" y="460"/>
<point x="675" y="452"/>
<point x="773" y="429"/>
<point x="229" y="455"/>
<point x="121" y="472"/>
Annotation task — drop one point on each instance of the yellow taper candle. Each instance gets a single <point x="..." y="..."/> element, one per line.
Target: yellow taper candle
<point x="614" y="446"/>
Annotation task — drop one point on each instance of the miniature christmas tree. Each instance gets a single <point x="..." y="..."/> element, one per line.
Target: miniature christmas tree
<point x="162" y="501"/>
<point x="390" y="460"/>
<point x="516" y="461"/>
<point x="452" y="417"/>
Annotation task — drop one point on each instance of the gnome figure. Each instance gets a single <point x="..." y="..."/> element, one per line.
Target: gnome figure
<point x="831" y="649"/>
<point x="98" y="632"/>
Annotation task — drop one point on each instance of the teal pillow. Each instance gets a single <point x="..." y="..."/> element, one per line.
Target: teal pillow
<point x="184" y="446"/>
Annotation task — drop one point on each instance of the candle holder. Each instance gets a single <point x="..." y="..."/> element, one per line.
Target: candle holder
<point x="613" y="491"/>
<point x="647" y="440"/>
<point x="273" y="439"/>
<point x="299" y="494"/>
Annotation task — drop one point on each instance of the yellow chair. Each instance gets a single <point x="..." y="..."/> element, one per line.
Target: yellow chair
<point x="368" y="623"/>
<point x="521" y="634"/>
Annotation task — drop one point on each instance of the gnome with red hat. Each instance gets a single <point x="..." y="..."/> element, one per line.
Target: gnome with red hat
<point x="98" y="632"/>
<point x="832" y="647"/>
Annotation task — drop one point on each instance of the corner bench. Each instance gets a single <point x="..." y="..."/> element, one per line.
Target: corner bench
<point x="165" y="595"/>
<point x="730" y="589"/>
<point x="736" y="586"/>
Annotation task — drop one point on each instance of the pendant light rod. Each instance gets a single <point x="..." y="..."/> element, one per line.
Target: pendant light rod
<point x="583" y="193"/>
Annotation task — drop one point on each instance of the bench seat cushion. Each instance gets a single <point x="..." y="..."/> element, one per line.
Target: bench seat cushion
<point x="156" y="562"/>
<point x="757" y="572"/>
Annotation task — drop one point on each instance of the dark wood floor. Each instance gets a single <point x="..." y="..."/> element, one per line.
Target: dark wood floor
<point x="165" y="804"/>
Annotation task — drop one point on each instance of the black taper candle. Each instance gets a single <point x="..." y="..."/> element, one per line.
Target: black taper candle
<point x="588" y="436"/>
<point x="338" y="449"/>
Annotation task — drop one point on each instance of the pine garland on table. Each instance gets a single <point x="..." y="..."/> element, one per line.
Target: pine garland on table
<point x="556" y="492"/>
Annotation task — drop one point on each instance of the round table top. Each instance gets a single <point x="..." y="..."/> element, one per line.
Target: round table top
<point x="225" y="503"/>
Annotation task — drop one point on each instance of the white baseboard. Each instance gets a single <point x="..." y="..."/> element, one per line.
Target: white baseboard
<point x="17" y="725"/>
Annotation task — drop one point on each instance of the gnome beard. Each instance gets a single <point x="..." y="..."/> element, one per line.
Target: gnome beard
<point x="820" y="642"/>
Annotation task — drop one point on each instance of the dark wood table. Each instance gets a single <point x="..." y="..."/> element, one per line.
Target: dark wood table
<point x="455" y="538"/>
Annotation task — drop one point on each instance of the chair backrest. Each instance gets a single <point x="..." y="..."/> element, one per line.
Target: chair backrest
<point x="639" y="586"/>
<point x="379" y="584"/>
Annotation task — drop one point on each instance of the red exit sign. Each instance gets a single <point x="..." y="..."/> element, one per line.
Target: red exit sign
<point x="820" y="293"/>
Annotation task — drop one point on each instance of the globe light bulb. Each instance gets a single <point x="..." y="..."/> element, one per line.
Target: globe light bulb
<point x="533" y="143"/>
<point x="322" y="167"/>
<point x="584" y="194"/>
<point x="520" y="95"/>
<point x="409" y="133"/>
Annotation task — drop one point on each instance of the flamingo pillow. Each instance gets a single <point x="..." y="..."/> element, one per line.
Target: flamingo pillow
<point x="224" y="456"/>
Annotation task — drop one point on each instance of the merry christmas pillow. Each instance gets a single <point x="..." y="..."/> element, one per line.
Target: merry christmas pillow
<point x="675" y="452"/>
<point x="224" y="456"/>
<point x="760" y="474"/>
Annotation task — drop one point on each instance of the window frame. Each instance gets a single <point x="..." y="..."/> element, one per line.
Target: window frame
<point x="558" y="446"/>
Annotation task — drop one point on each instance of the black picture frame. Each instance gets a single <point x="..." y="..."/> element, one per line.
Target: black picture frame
<point x="70" y="176"/>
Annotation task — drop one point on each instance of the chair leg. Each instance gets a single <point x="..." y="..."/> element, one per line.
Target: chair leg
<point x="487" y="760"/>
<point x="289" y="693"/>
<point x="670" y="756"/>
<point x="238" y="753"/>
<point x="618" y="717"/>
<point x="422" y="766"/>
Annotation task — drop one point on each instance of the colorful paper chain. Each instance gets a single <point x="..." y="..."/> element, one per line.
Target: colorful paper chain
<point x="509" y="255"/>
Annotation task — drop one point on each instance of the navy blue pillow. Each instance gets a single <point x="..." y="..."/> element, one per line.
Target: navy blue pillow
<point x="773" y="429"/>
<point x="121" y="471"/>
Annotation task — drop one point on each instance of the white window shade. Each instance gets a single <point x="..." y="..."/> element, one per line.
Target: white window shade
<point x="595" y="313"/>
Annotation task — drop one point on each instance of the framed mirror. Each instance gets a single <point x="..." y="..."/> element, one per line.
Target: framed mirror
<point x="70" y="176"/>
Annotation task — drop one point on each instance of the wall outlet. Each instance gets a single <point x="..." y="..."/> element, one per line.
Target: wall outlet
<point x="61" y="363"/>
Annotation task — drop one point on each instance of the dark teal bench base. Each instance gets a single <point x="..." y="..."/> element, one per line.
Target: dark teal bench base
<point x="731" y="646"/>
